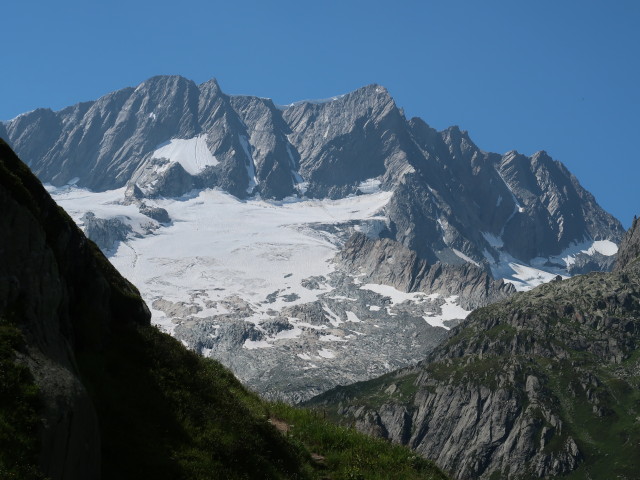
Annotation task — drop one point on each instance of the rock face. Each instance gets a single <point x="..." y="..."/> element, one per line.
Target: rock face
<point x="106" y="233"/>
<point x="67" y="300"/>
<point x="388" y="262"/>
<point x="630" y="247"/>
<point x="540" y="385"/>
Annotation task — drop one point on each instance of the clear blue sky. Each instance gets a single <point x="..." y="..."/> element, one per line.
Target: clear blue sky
<point x="555" y="75"/>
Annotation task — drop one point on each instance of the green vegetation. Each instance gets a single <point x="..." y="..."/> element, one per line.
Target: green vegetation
<point x="167" y="413"/>
<point x="577" y="339"/>
<point x="609" y="436"/>
<point x="343" y="453"/>
<point x="19" y="406"/>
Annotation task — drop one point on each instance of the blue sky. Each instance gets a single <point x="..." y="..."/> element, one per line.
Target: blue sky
<point x="561" y="76"/>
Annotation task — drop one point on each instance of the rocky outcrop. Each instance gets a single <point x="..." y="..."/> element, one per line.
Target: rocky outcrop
<point x="106" y="233"/>
<point x="67" y="299"/>
<point x="158" y="214"/>
<point x="532" y="387"/>
<point x="348" y="334"/>
<point x="388" y="262"/>
<point x="629" y="247"/>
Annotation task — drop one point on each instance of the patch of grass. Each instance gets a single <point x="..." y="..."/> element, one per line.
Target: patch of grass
<point x="346" y="454"/>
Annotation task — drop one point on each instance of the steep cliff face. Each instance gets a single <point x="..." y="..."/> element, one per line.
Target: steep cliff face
<point x="385" y="261"/>
<point x="185" y="182"/>
<point x="541" y="385"/>
<point x="66" y="298"/>
<point x="89" y="390"/>
<point x="629" y="248"/>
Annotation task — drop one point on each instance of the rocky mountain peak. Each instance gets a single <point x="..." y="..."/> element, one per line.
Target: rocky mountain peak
<point x="629" y="247"/>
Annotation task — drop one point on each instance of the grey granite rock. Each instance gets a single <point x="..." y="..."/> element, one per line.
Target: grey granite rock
<point x="388" y="262"/>
<point x="630" y="247"/>
<point x="107" y="233"/>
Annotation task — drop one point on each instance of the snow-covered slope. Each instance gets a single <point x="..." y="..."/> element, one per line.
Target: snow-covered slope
<point x="255" y="283"/>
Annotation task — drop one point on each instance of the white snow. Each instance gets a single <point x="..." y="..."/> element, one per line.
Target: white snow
<point x="304" y="356"/>
<point x="542" y="270"/>
<point x="193" y="153"/>
<point x="255" y="344"/>
<point x="251" y="168"/>
<point x="464" y="257"/>
<point x="396" y="295"/>
<point x="450" y="310"/>
<point x="513" y="195"/>
<point x="331" y="338"/>
<point x="342" y="297"/>
<point x="333" y="318"/>
<point x="224" y="246"/>
<point x="589" y="247"/>
<point x="523" y="277"/>
<point x="352" y="317"/>
<point x="294" y="332"/>
<point x="326" y="353"/>
<point x="493" y="240"/>
<point x="371" y="185"/>
<point x="374" y="308"/>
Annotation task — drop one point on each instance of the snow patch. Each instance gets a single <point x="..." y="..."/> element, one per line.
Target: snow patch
<point x="371" y="185"/>
<point x="251" y="168"/>
<point x="256" y="344"/>
<point x="464" y="257"/>
<point x="493" y="240"/>
<point x="193" y="153"/>
<point x="220" y="245"/>
<point x="326" y="353"/>
<point x="352" y="317"/>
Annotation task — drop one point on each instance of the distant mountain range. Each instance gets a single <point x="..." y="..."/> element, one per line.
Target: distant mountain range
<point x="312" y="244"/>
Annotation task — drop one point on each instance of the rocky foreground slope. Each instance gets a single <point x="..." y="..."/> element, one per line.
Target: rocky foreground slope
<point x="89" y="389"/>
<point x="544" y="384"/>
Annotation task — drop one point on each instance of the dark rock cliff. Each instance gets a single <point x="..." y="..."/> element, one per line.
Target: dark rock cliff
<point x="630" y="247"/>
<point x="66" y="298"/>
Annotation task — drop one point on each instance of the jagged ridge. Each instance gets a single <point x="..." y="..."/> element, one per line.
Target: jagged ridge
<point x="448" y="193"/>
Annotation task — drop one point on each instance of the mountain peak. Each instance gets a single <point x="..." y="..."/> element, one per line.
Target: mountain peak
<point x="629" y="247"/>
